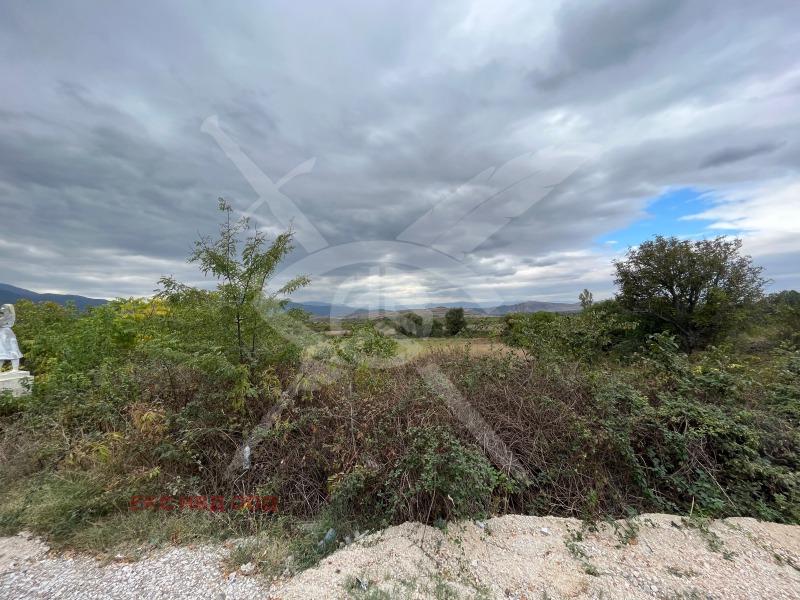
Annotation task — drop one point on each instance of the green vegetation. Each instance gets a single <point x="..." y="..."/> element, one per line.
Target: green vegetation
<point x="700" y="289"/>
<point x="454" y="321"/>
<point x="414" y="325"/>
<point x="586" y="299"/>
<point x="411" y="324"/>
<point x="605" y="412"/>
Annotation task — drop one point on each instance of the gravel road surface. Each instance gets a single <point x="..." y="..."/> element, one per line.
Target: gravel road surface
<point x="654" y="556"/>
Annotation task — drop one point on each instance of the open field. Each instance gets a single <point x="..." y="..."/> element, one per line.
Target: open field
<point x="410" y="347"/>
<point x="477" y="346"/>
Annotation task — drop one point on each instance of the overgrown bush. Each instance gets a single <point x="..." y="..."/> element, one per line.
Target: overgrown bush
<point x="583" y="336"/>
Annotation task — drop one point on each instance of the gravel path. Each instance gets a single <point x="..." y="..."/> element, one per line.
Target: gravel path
<point x="659" y="556"/>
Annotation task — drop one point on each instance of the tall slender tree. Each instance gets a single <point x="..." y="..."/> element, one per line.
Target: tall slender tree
<point x="239" y="311"/>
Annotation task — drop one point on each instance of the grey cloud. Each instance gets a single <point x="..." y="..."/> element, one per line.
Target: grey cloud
<point x="81" y="96"/>
<point x="594" y="36"/>
<point x="695" y="53"/>
<point x="111" y="179"/>
<point x="736" y="154"/>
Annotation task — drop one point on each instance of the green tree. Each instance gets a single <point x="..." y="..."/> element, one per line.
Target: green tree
<point x="784" y="297"/>
<point x="242" y="314"/>
<point x="411" y="324"/>
<point x="454" y="321"/>
<point x="586" y="299"/>
<point x="700" y="289"/>
<point x="784" y="308"/>
<point x="437" y="328"/>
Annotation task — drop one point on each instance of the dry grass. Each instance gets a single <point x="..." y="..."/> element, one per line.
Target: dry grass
<point x="476" y="346"/>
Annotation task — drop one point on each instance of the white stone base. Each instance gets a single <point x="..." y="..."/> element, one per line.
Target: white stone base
<point x="14" y="381"/>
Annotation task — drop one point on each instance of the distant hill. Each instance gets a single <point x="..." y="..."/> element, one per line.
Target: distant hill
<point x="10" y="294"/>
<point x="321" y="310"/>
<point x="465" y="305"/>
<point x="533" y="306"/>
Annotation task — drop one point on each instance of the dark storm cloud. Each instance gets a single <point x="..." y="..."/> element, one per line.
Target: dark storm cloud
<point x="106" y="178"/>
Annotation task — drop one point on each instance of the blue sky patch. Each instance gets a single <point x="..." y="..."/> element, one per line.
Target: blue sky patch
<point x="664" y="218"/>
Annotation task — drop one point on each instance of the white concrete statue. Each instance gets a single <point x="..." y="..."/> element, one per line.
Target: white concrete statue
<point x="9" y="349"/>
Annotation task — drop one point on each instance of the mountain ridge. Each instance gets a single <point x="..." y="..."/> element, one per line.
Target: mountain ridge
<point x="341" y="311"/>
<point x="10" y="294"/>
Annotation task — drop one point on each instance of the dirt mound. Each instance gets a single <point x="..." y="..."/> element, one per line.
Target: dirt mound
<point x="653" y="556"/>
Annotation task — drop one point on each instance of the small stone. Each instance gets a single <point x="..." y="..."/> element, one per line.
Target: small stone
<point x="481" y="524"/>
<point x="545" y="531"/>
<point x="232" y="577"/>
<point x="474" y="563"/>
<point x="654" y="589"/>
<point x="247" y="569"/>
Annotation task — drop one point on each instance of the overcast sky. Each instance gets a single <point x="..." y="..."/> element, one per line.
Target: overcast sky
<point x="690" y="112"/>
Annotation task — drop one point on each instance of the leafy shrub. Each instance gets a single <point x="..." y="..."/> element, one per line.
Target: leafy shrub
<point x="583" y="336"/>
<point x="365" y="343"/>
<point x="437" y="474"/>
<point x="411" y="324"/>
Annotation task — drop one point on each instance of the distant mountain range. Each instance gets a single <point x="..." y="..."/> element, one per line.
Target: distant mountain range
<point x="10" y="295"/>
<point x="322" y="309"/>
<point x="341" y="311"/>
<point x="533" y="306"/>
